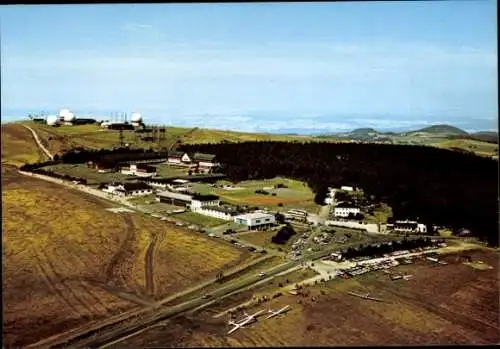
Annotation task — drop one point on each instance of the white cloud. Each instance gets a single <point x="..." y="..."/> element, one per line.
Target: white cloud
<point x="135" y="26"/>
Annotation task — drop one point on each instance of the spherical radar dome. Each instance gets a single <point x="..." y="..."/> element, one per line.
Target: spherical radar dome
<point x="69" y="117"/>
<point x="64" y="112"/>
<point x="52" y="120"/>
<point x="136" y="117"/>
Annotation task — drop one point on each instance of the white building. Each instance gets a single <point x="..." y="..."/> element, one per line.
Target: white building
<point x="198" y="203"/>
<point x="215" y="211"/>
<point x="255" y="220"/>
<point x="139" y="170"/>
<point x="341" y="211"/>
<point x="409" y="226"/>
<point x="295" y="214"/>
<point x="128" y="189"/>
<point x="330" y="196"/>
<point x="346" y="188"/>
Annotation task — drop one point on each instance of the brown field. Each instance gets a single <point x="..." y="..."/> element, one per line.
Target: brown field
<point x="450" y="304"/>
<point x="68" y="261"/>
<point x="19" y="146"/>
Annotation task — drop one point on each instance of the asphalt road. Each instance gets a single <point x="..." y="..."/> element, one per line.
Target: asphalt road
<point x="151" y="318"/>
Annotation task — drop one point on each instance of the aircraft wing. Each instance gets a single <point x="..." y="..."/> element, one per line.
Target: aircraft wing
<point x="258" y="313"/>
<point x="237" y="326"/>
<point x="270" y="316"/>
<point x="375" y="299"/>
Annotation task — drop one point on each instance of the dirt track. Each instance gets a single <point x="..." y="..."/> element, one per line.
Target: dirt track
<point x="149" y="260"/>
<point x="39" y="143"/>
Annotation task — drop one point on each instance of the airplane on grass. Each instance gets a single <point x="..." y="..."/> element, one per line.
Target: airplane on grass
<point x="277" y="312"/>
<point x="248" y="319"/>
<point x="365" y="296"/>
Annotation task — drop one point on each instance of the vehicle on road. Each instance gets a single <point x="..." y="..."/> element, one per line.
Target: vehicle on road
<point x="206" y="296"/>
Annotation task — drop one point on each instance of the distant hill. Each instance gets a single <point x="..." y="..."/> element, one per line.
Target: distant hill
<point x="443" y="129"/>
<point x="485" y="136"/>
<point x="363" y="131"/>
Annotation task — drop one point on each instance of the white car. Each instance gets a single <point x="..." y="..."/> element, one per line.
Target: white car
<point x="261" y="274"/>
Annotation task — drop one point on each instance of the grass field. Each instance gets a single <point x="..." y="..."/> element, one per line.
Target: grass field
<point x="450" y="304"/>
<point x="94" y="177"/>
<point x="165" y="171"/>
<point x="199" y="219"/>
<point x="214" y="136"/>
<point x="477" y="147"/>
<point x="94" y="137"/>
<point x="19" y="146"/>
<point x="64" y="253"/>
<point x="297" y="195"/>
<point x="91" y="175"/>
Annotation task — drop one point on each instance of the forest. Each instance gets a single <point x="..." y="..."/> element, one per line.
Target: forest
<point x="435" y="186"/>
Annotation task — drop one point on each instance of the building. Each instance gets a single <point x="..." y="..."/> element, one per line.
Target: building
<point x="199" y="201"/>
<point x="102" y="167"/>
<point x="255" y="220"/>
<point x="84" y="121"/>
<point x="127" y="189"/>
<point x="139" y="170"/>
<point x="172" y="198"/>
<point x="298" y="215"/>
<point x="226" y="213"/>
<point x="186" y="159"/>
<point x="346" y="188"/>
<point x="179" y="185"/>
<point x="330" y="196"/>
<point x="408" y="226"/>
<point x="174" y="156"/>
<point x="344" y="209"/>
<point x="161" y="183"/>
<point x="204" y="161"/>
<point x="116" y="126"/>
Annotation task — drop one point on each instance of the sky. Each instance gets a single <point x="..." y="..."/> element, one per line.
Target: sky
<point x="277" y="67"/>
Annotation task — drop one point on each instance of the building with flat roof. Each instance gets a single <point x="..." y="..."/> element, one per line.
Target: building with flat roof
<point x="256" y="220"/>
<point x="226" y="213"/>
<point x="172" y="198"/>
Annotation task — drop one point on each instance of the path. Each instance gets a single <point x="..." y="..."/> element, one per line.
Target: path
<point x="39" y="143"/>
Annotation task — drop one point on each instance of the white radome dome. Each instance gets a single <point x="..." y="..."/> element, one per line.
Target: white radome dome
<point x="64" y="112"/>
<point x="136" y="117"/>
<point x="52" y="120"/>
<point x="69" y="117"/>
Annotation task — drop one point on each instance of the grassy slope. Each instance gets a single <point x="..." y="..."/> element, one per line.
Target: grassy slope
<point x="478" y="147"/>
<point x="199" y="219"/>
<point x="59" y="244"/>
<point x="51" y="235"/>
<point x="72" y="237"/>
<point x="18" y="146"/>
<point x="93" y="136"/>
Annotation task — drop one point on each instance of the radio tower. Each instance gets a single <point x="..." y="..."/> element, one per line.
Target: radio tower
<point x="120" y="135"/>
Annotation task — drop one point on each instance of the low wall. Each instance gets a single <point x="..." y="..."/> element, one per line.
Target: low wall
<point x="370" y="227"/>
